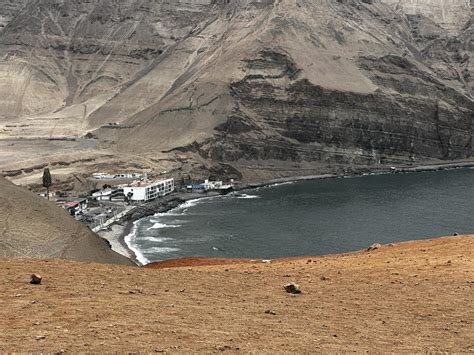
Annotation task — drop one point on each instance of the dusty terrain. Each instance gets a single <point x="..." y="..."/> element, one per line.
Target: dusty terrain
<point x="409" y="297"/>
<point x="31" y="226"/>
<point x="245" y="89"/>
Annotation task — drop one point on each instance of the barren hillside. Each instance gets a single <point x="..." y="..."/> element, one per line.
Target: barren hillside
<point x="32" y="227"/>
<point x="412" y="297"/>
<point x="259" y="88"/>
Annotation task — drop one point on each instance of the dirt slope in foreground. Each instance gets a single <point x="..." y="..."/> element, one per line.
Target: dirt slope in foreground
<point x="414" y="296"/>
<point x="31" y="226"/>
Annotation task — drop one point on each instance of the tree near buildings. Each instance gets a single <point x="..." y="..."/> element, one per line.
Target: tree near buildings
<point x="47" y="182"/>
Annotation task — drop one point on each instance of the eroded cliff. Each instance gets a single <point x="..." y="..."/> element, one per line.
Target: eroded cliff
<point x="277" y="86"/>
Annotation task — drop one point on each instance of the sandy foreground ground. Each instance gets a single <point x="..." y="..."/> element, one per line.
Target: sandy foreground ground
<point x="408" y="297"/>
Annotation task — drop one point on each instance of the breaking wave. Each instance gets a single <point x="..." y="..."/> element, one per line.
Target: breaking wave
<point x="130" y="240"/>
<point x="159" y="225"/>
<point x="161" y="250"/>
<point x="246" y="196"/>
<point x="156" y="239"/>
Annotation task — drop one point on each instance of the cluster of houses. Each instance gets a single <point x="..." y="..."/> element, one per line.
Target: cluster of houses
<point x="76" y="207"/>
<point x="136" y="192"/>
<point x="139" y="191"/>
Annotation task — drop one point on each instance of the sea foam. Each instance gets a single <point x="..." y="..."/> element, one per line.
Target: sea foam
<point x="246" y="196"/>
<point x="158" y="225"/>
<point x="130" y="240"/>
<point x="161" y="250"/>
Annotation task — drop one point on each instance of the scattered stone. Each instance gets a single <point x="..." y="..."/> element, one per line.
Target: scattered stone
<point x="40" y="337"/>
<point x="324" y="278"/>
<point x="374" y="246"/>
<point x="18" y="295"/>
<point x="292" y="288"/>
<point x="269" y="311"/>
<point x="455" y="234"/>
<point x="35" y="279"/>
<point x="266" y="261"/>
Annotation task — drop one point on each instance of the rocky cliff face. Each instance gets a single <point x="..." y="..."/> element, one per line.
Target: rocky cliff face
<point x="273" y="84"/>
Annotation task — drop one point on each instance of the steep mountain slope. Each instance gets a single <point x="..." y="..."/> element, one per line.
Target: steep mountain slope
<point x="31" y="227"/>
<point x="273" y="86"/>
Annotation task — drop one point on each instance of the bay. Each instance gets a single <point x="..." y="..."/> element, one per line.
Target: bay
<point x="312" y="217"/>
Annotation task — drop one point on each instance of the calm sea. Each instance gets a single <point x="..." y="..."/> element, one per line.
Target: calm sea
<point x="312" y="217"/>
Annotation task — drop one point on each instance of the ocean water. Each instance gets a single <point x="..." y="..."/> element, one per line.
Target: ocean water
<point x="312" y="217"/>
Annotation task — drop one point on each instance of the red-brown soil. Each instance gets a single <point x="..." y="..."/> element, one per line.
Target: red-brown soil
<point x="200" y="261"/>
<point x="409" y="297"/>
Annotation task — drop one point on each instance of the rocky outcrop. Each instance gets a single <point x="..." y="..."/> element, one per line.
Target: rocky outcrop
<point x="414" y="118"/>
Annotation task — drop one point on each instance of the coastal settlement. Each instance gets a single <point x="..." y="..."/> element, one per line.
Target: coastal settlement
<point x="124" y="192"/>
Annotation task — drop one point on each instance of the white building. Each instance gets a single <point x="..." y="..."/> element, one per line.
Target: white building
<point x="106" y="176"/>
<point x="103" y="176"/>
<point x="141" y="191"/>
<point x="128" y="176"/>
<point x="102" y="195"/>
<point x="211" y="185"/>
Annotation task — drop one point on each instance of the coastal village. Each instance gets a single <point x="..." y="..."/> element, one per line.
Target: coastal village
<point x="120" y="193"/>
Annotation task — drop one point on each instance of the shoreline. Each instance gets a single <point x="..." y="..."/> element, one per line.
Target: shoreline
<point x="120" y="230"/>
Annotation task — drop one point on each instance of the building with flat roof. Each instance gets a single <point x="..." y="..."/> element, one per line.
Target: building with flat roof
<point x="141" y="191"/>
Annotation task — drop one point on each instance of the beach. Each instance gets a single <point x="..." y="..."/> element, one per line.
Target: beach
<point x="118" y="232"/>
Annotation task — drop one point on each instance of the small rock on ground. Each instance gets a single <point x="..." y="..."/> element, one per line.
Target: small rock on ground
<point x="292" y="288"/>
<point x="374" y="246"/>
<point x="35" y="279"/>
